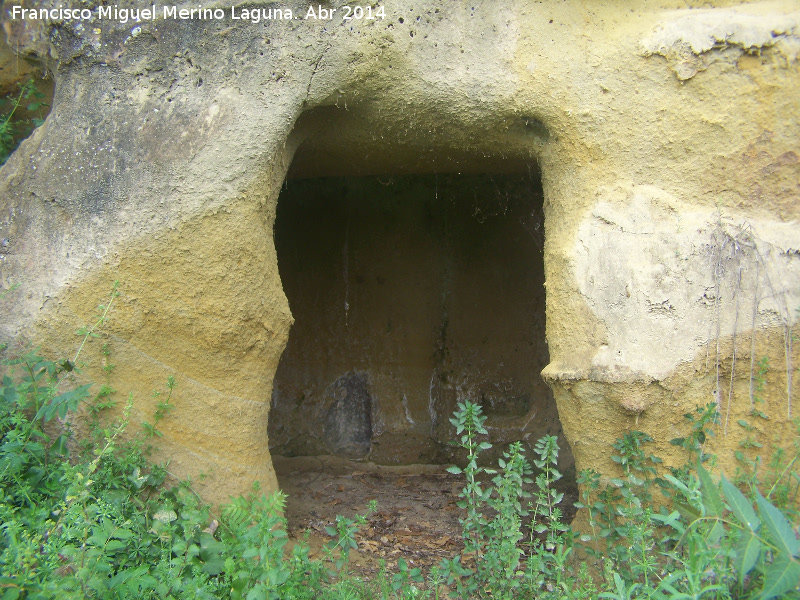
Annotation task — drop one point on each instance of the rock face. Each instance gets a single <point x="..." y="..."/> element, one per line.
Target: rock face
<point x="348" y="421"/>
<point x="664" y="139"/>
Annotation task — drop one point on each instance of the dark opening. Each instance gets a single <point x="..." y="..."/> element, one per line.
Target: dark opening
<point x="410" y="293"/>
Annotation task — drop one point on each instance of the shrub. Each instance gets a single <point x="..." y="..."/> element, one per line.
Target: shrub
<point x="712" y="542"/>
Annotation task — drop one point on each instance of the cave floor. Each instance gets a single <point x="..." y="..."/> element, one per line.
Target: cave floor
<point x="416" y="517"/>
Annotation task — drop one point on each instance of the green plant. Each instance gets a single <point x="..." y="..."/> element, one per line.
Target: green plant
<point x="254" y="540"/>
<point x="351" y="588"/>
<point x="103" y="399"/>
<point x="635" y="526"/>
<point x="403" y="581"/>
<point x="493" y="543"/>
<point x="707" y="544"/>
<point x="14" y="127"/>
<point x="91" y="532"/>
<point x="468" y="421"/>
<point x="757" y="543"/>
<point x="163" y="408"/>
<point x="702" y="421"/>
<point x="73" y="528"/>
<point x="343" y="533"/>
<point x="621" y="513"/>
<point x="622" y="591"/>
<point x="498" y="566"/>
<point x="782" y="479"/>
<point x="588" y="481"/>
<point x="547" y="498"/>
<point x="31" y="398"/>
<point x="758" y="387"/>
<point x="436" y="578"/>
<point x="101" y="524"/>
<point x="549" y="570"/>
<point x="458" y="575"/>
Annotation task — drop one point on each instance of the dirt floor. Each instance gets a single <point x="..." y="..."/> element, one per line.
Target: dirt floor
<point x="416" y="516"/>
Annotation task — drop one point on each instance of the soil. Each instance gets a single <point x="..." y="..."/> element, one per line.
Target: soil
<point x="416" y="517"/>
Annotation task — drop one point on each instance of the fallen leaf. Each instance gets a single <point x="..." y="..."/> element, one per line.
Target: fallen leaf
<point x="369" y="545"/>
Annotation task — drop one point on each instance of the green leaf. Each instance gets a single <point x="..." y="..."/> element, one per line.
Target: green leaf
<point x="122" y="534"/>
<point x="677" y="483"/>
<point x="114" y="545"/>
<point x="258" y="592"/>
<point x="715" y="534"/>
<point x="674" y="594"/>
<point x="454" y="470"/>
<point x="748" y="549"/>
<point x="712" y="500"/>
<point x="281" y="577"/>
<point x="60" y="446"/>
<point x="782" y="575"/>
<point x="165" y="515"/>
<point x="672" y="520"/>
<point x="67" y="401"/>
<point x="779" y="528"/>
<point x="740" y="505"/>
<point x="11" y="593"/>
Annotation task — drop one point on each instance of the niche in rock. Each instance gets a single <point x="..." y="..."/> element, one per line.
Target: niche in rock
<point x="410" y="293"/>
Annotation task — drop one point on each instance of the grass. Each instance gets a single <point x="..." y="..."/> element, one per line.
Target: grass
<point x="95" y="519"/>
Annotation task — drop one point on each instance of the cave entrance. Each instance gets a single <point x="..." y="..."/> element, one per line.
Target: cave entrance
<point x="410" y="293"/>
